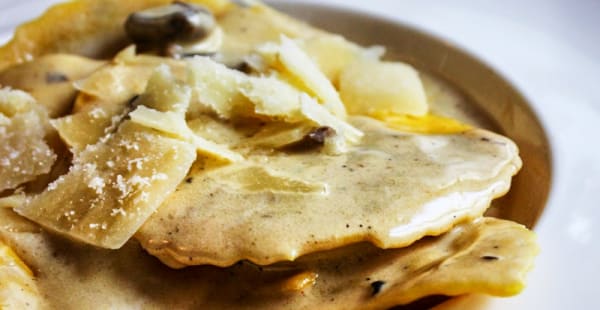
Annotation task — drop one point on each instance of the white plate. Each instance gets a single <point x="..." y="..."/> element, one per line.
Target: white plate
<point x="548" y="49"/>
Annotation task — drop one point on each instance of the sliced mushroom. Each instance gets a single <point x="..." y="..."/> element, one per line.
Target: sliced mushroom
<point x="176" y="22"/>
<point x="314" y="139"/>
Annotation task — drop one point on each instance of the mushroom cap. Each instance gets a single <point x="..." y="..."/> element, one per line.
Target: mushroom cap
<point x="176" y="22"/>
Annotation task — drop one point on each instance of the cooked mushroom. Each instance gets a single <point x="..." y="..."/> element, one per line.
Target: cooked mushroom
<point x="315" y="138"/>
<point x="176" y="22"/>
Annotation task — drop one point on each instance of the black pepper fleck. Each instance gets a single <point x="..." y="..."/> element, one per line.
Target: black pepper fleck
<point x="189" y="180"/>
<point x="489" y="257"/>
<point x="376" y="287"/>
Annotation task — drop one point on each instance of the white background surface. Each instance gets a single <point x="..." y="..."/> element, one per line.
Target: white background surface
<point x="551" y="51"/>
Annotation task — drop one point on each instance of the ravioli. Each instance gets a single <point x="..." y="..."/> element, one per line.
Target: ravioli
<point x="486" y="256"/>
<point x="49" y="79"/>
<point x="424" y="185"/>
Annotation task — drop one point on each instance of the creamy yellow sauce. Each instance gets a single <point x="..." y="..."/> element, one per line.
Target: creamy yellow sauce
<point x="391" y="189"/>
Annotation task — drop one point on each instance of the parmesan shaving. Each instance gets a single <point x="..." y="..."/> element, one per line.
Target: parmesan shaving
<point x="24" y="154"/>
<point x="172" y="123"/>
<point x="274" y="98"/>
<point x="163" y="107"/>
<point x="216" y="87"/>
<point x="297" y="63"/>
<point x="81" y="203"/>
<point x="365" y="88"/>
<point x="164" y="94"/>
<point x="332" y="53"/>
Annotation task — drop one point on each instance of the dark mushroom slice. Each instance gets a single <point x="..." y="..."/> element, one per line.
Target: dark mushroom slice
<point x="176" y="22"/>
<point x="314" y="139"/>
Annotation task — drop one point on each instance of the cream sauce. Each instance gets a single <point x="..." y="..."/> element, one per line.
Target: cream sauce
<point x="392" y="189"/>
<point x="487" y="256"/>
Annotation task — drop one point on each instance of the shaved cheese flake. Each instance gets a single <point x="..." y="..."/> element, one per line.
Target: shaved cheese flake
<point x="13" y="101"/>
<point x="322" y="117"/>
<point x="79" y="204"/>
<point x="24" y="154"/>
<point x="272" y="97"/>
<point x="86" y="127"/>
<point x="301" y="66"/>
<point x="163" y="107"/>
<point x="214" y="129"/>
<point x="163" y="93"/>
<point x="332" y="53"/>
<point x="167" y="122"/>
<point x="216" y="87"/>
<point x="215" y="149"/>
<point x="368" y="85"/>
<point x="172" y="123"/>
